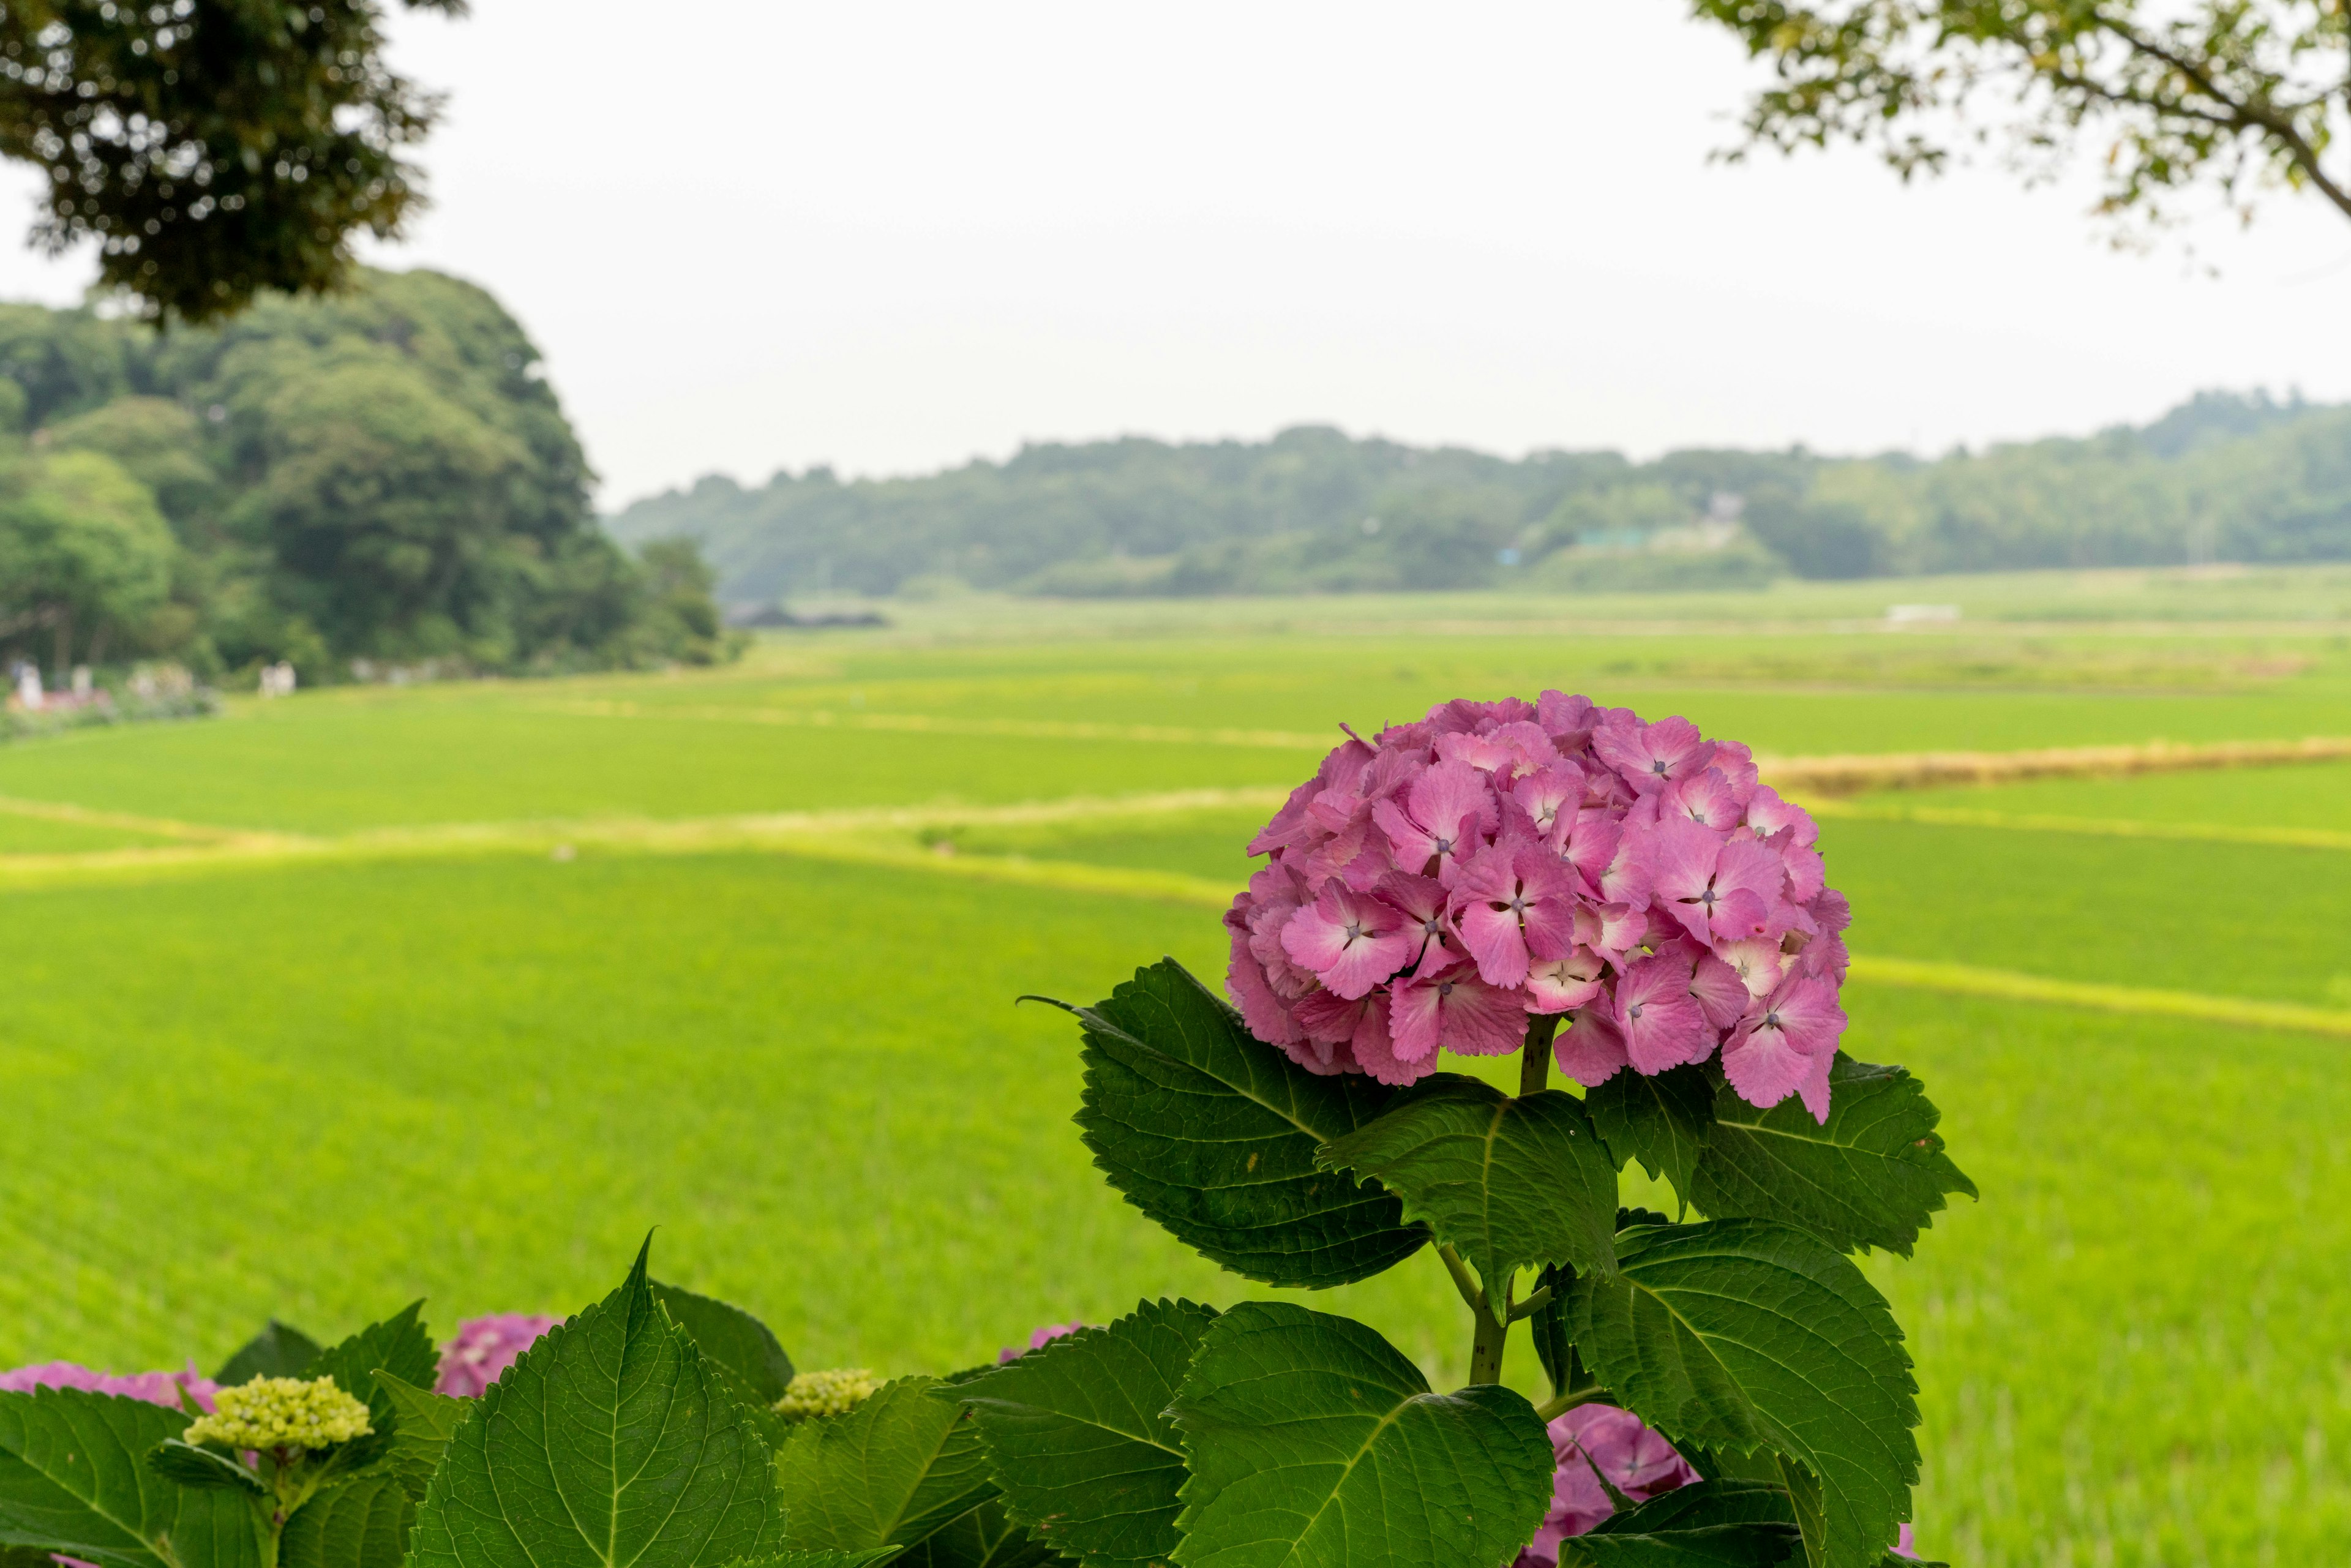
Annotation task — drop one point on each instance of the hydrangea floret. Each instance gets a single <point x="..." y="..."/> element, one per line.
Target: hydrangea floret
<point x="1634" y="887"/>
<point x="281" y="1414"/>
<point x="163" y="1388"/>
<point x="834" y="1391"/>
<point x="484" y="1347"/>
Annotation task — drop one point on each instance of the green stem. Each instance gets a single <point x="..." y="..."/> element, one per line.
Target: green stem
<point x="1535" y="1062"/>
<point x="1490" y="1336"/>
<point x="1531" y="1305"/>
<point x="1552" y="1409"/>
<point x="1463" y="1281"/>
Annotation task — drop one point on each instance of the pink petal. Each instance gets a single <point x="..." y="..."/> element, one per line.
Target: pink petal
<point x="1662" y="1026"/>
<point x="1590" y="1049"/>
<point x="1719" y="992"/>
<point x="1764" y="1065"/>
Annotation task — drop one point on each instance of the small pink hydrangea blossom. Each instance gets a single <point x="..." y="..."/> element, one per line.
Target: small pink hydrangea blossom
<point x="484" y="1348"/>
<point x="1429" y="890"/>
<point x="155" y="1387"/>
<point x="1036" y="1341"/>
<point x="1587" y="1443"/>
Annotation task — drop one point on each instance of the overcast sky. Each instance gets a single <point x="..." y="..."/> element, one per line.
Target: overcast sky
<point x="753" y="234"/>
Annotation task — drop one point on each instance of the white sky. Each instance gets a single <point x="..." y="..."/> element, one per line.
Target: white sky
<point x="753" y="234"/>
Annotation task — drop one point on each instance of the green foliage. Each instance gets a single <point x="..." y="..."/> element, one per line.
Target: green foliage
<point x="1745" y="1334"/>
<point x="212" y="150"/>
<point x="398" y="1345"/>
<point x="1508" y="1183"/>
<point x="902" y="1465"/>
<point x="382" y="474"/>
<point x="1660" y="1119"/>
<point x="2230" y="97"/>
<point x="986" y="1537"/>
<point x="734" y="1341"/>
<point x="1871" y="1176"/>
<point x="424" y="1424"/>
<point x="1712" y="1524"/>
<point x="277" y="1351"/>
<point x="1310" y="1441"/>
<point x="609" y="1443"/>
<point x="1080" y="1439"/>
<point x="362" y="1524"/>
<point x="1214" y="1135"/>
<point x="74" y="1479"/>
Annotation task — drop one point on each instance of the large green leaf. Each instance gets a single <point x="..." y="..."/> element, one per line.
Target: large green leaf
<point x="1213" y="1134"/>
<point x="1079" y="1439"/>
<point x="1712" y="1524"/>
<point x="734" y="1339"/>
<point x="986" y="1537"/>
<point x="399" y="1346"/>
<point x="1745" y="1334"/>
<point x="611" y="1443"/>
<point x="822" y="1559"/>
<point x="888" y="1473"/>
<point x="1660" y="1121"/>
<point x="277" y="1351"/>
<point x="1313" y="1444"/>
<point x="426" y="1421"/>
<point x="1870" y="1177"/>
<point x="1508" y="1183"/>
<point x="75" y="1479"/>
<point x="364" y="1523"/>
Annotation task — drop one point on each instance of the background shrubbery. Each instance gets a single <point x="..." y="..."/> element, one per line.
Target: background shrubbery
<point x="2222" y="477"/>
<point x="383" y="474"/>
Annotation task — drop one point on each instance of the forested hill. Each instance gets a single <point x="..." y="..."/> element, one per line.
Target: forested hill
<point x="381" y="476"/>
<point x="2222" y="477"/>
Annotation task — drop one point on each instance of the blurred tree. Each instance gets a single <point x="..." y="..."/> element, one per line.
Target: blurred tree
<point x="212" y="148"/>
<point x="85" y="557"/>
<point x="2229" y="94"/>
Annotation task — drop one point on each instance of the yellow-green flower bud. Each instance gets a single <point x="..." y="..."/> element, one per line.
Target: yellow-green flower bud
<point x="835" y="1391"/>
<point x="281" y="1413"/>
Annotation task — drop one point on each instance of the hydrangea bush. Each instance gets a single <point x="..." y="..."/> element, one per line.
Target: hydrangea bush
<point x="1551" y="886"/>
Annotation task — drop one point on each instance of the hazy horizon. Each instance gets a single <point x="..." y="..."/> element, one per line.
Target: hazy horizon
<point x="891" y="240"/>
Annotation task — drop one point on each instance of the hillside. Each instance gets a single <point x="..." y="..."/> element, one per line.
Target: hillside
<point x="2222" y="477"/>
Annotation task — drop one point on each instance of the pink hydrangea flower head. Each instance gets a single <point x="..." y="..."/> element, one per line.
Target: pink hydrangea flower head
<point x="155" y="1387"/>
<point x="1036" y="1341"/>
<point x="1587" y="1443"/>
<point x="484" y="1348"/>
<point x="1431" y="890"/>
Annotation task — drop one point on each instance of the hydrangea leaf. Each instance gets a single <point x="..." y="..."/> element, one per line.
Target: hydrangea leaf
<point x="1079" y="1439"/>
<point x="1872" y="1175"/>
<point x="1508" y="1183"/>
<point x="1710" y="1524"/>
<point x="363" y="1523"/>
<point x="1313" y="1444"/>
<point x="75" y="1479"/>
<point x="399" y="1346"/>
<point x="1660" y="1121"/>
<point x="1745" y="1334"/>
<point x="888" y="1473"/>
<point x="1213" y="1134"/>
<point x="734" y="1339"/>
<point x="1547" y="1327"/>
<point x="193" y="1465"/>
<point x="822" y="1559"/>
<point x="986" y="1537"/>
<point x="279" y="1350"/>
<point x="426" y="1421"/>
<point x="611" y="1443"/>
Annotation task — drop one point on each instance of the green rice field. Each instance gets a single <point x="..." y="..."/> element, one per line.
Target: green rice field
<point x="453" y="991"/>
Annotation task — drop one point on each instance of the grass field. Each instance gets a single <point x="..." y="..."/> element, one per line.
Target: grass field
<point x="347" y="1067"/>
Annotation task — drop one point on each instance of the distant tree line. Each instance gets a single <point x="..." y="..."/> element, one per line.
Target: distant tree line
<point x="2222" y="477"/>
<point x="381" y="474"/>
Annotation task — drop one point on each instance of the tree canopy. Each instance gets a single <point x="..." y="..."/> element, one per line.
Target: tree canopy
<point x="214" y="149"/>
<point x="383" y="473"/>
<point x="2228" y="95"/>
<point x="2222" y="477"/>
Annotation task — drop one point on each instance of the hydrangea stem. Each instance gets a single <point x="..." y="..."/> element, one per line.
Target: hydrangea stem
<point x="1535" y="1062"/>
<point x="1490" y="1336"/>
